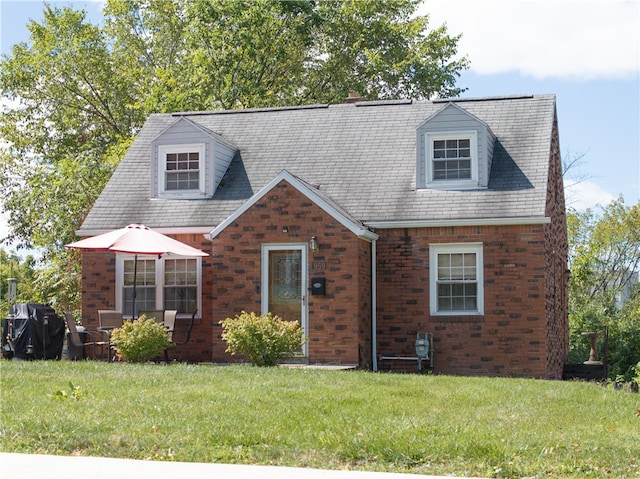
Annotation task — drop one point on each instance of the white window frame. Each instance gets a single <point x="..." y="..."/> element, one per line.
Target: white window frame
<point x="122" y="257"/>
<point x="455" y="248"/>
<point x="430" y="138"/>
<point x="165" y="286"/>
<point x="163" y="150"/>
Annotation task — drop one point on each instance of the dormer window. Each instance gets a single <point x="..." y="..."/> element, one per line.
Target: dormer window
<point x="452" y="160"/>
<point x="181" y="169"/>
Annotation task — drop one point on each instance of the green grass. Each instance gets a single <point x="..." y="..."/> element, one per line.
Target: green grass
<point x="462" y="426"/>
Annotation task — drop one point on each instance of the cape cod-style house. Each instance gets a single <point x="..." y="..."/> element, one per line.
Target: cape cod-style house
<point x="369" y="222"/>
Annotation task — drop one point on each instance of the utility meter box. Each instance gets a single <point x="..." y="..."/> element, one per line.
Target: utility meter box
<point x="318" y="286"/>
<point x="422" y="346"/>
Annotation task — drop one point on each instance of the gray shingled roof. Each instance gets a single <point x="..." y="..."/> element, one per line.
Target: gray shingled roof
<point x="362" y="156"/>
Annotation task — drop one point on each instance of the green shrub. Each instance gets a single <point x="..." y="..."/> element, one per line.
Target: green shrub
<point x="264" y="339"/>
<point x="140" y="340"/>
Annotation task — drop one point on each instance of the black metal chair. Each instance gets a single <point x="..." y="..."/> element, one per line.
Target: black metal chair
<point x="172" y="334"/>
<point x="79" y="340"/>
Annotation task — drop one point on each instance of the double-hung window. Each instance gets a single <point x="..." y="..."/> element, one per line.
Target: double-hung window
<point x="143" y="272"/>
<point x="456" y="279"/>
<point x="165" y="283"/>
<point x="181" y="169"/>
<point x="181" y="284"/>
<point x="452" y="159"/>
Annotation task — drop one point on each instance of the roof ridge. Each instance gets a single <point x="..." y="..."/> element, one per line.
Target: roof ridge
<point x="251" y="110"/>
<point x="369" y="103"/>
<point x="484" y="98"/>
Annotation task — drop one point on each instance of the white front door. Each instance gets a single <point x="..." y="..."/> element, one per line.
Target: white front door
<point x="284" y="282"/>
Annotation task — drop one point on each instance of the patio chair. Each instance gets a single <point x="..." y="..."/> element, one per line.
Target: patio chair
<point x="109" y="319"/>
<point x="169" y="320"/>
<point x="170" y="323"/>
<point x="165" y="317"/>
<point x="79" y="340"/>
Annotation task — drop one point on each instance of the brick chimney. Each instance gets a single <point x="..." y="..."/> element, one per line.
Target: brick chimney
<point x="354" y="97"/>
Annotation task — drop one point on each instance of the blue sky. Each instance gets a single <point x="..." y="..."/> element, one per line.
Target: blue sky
<point x="585" y="52"/>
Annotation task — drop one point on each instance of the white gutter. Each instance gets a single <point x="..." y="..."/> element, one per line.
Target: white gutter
<point x="529" y="220"/>
<point x="166" y="231"/>
<point x="374" y="306"/>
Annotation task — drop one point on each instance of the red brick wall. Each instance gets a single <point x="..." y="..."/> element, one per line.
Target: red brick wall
<point x="523" y="331"/>
<point x="338" y="321"/>
<point x="365" y="301"/>
<point x="556" y="251"/>
<point x="98" y="285"/>
<point x="508" y="340"/>
<point x="98" y="292"/>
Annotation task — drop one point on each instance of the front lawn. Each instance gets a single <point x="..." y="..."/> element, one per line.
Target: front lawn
<point x="462" y="426"/>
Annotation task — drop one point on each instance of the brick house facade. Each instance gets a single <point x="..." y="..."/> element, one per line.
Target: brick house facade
<point x="481" y="267"/>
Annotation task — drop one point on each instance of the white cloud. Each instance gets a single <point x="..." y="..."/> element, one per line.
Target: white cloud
<point x="573" y="39"/>
<point x="585" y="194"/>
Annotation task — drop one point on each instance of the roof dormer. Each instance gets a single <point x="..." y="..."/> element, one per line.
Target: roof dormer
<point x="188" y="161"/>
<point x="454" y="150"/>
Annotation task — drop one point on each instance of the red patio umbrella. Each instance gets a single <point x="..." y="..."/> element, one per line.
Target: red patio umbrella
<point x="136" y="239"/>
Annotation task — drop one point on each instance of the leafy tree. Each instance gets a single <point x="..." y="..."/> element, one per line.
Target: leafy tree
<point x="79" y="92"/>
<point x="376" y="48"/>
<point x="64" y="135"/>
<point x="24" y="271"/>
<point x="256" y="49"/>
<point x="149" y="47"/>
<point x="604" y="251"/>
<point x="258" y="53"/>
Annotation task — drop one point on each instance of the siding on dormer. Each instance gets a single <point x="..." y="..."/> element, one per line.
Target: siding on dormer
<point x="223" y="156"/>
<point x="218" y="155"/>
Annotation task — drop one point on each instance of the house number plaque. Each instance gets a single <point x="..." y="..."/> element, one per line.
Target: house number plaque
<point x="318" y="266"/>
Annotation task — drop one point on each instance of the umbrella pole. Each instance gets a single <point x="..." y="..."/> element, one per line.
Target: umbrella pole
<point x="135" y="280"/>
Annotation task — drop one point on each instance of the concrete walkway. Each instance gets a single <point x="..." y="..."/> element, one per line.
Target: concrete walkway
<point x="53" y="467"/>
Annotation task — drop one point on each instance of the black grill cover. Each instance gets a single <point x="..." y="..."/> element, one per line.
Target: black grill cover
<point x="33" y="331"/>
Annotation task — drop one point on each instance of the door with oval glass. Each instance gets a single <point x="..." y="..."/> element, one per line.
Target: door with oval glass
<point x="284" y="285"/>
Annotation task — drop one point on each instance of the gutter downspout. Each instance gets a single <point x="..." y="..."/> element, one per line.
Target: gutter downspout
<point x="374" y="307"/>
